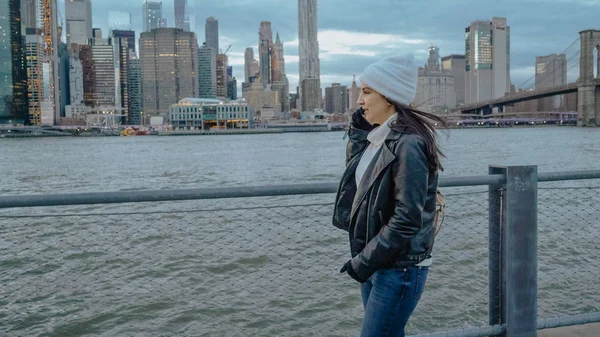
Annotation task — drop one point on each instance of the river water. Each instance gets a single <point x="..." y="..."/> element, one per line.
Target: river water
<point x="265" y="266"/>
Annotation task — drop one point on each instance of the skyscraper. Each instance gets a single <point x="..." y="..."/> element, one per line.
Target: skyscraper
<point x="169" y="58"/>
<point x="311" y="97"/>
<point x="76" y="80"/>
<point x="29" y="14"/>
<point x="135" y="91"/>
<point x="13" y="76"/>
<point x="278" y="48"/>
<point x="487" y="45"/>
<point x="101" y="67"/>
<point x="309" y="63"/>
<point x="248" y="59"/>
<point x="265" y="32"/>
<point x="124" y="56"/>
<point x="119" y="20"/>
<point x="182" y="19"/>
<point x="336" y="98"/>
<point x="221" y="75"/>
<point x="34" y="52"/>
<point x="231" y="84"/>
<point x="211" y="34"/>
<point x="152" y="15"/>
<point x="63" y="63"/>
<point x="455" y="65"/>
<point x="49" y="22"/>
<point x="265" y="53"/>
<point x="79" y="21"/>
<point x="353" y="95"/>
<point x="280" y="81"/>
<point x="550" y="71"/>
<point x="128" y="35"/>
<point x="207" y="72"/>
<point x="435" y="88"/>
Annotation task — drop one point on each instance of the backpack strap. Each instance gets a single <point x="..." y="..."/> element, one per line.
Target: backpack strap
<point x="440" y="205"/>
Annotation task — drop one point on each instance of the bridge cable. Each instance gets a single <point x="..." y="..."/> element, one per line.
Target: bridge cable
<point x="563" y="52"/>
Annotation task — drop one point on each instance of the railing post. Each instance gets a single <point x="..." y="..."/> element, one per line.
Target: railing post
<point x="495" y="205"/>
<point x="518" y="251"/>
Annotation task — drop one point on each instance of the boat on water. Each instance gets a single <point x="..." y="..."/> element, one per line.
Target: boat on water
<point x="133" y="132"/>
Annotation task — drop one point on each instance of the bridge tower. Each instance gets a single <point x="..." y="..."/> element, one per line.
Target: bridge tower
<point x="588" y="91"/>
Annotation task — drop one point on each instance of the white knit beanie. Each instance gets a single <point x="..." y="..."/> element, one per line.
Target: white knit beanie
<point x="394" y="77"/>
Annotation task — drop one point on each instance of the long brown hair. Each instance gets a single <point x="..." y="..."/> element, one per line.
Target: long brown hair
<point x="422" y="123"/>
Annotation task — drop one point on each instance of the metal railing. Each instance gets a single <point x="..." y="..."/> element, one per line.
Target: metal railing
<point x="264" y="261"/>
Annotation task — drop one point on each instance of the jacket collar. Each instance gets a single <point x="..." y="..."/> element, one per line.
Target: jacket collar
<point x="378" y="135"/>
<point x="387" y="131"/>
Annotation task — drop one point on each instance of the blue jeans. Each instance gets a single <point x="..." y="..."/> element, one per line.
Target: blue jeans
<point x="389" y="297"/>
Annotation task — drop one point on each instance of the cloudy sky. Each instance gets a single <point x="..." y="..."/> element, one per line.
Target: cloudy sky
<point x="354" y="33"/>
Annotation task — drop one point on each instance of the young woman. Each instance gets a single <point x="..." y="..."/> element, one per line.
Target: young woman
<point x="387" y="196"/>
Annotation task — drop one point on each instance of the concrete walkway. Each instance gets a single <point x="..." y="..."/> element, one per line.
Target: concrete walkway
<point x="587" y="330"/>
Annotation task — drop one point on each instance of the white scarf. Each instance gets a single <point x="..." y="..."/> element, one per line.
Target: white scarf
<point x="376" y="138"/>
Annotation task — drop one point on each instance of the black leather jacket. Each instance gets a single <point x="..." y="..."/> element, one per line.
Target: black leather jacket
<point x="389" y="216"/>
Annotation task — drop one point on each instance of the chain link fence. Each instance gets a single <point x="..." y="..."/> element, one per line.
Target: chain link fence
<point x="568" y="248"/>
<point x="255" y="267"/>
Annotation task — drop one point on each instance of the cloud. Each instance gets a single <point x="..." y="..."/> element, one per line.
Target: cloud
<point x="368" y="31"/>
<point x="342" y="42"/>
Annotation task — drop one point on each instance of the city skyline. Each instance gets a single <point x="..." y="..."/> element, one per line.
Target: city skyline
<point x="349" y="43"/>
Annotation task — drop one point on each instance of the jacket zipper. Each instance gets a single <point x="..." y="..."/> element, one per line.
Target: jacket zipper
<point x="368" y="217"/>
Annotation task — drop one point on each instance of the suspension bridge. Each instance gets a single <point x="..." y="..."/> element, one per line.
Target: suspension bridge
<point x="582" y="53"/>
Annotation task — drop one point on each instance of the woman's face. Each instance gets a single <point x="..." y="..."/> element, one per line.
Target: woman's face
<point x="376" y="107"/>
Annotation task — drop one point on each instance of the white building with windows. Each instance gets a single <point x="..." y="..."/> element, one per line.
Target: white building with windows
<point x="435" y="88"/>
<point x="210" y="113"/>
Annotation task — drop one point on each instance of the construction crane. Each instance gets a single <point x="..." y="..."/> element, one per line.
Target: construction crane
<point x="225" y="53"/>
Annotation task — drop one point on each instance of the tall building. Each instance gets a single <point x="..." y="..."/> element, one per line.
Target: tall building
<point x="435" y="88"/>
<point x="65" y="98"/>
<point x="13" y="75"/>
<point x="76" y="80"/>
<point x="119" y="21"/>
<point x="52" y="99"/>
<point x="433" y="61"/>
<point x="254" y="69"/>
<point x="248" y="59"/>
<point x="211" y="34"/>
<point x="221" y="75"/>
<point x="29" y="14"/>
<point x="79" y="21"/>
<point x="128" y="35"/>
<point x="152" y="15"/>
<point x="182" y="19"/>
<point x="278" y="48"/>
<point x="487" y="46"/>
<point x="336" y="98"/>
<point x="309" y="63"/>
<point x="34" y="53"/>
<point x="353" y="94"/>
<point x="169" y="58"/>
<point x="282" y="89"/>
<point x="279" y="79"/>
<point x="101" y="68"/>
<point x="265" y="32"/>
<point x="124" y="56"/>
<point x="311" y="94"/>
<point x="550" y="71"/>
<point x="135" y="91"/>
<point x="232" y="89"/>
<point x="455" y="65"/>
<point x="207" y="72"/>
<point x="265" y="53"/>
